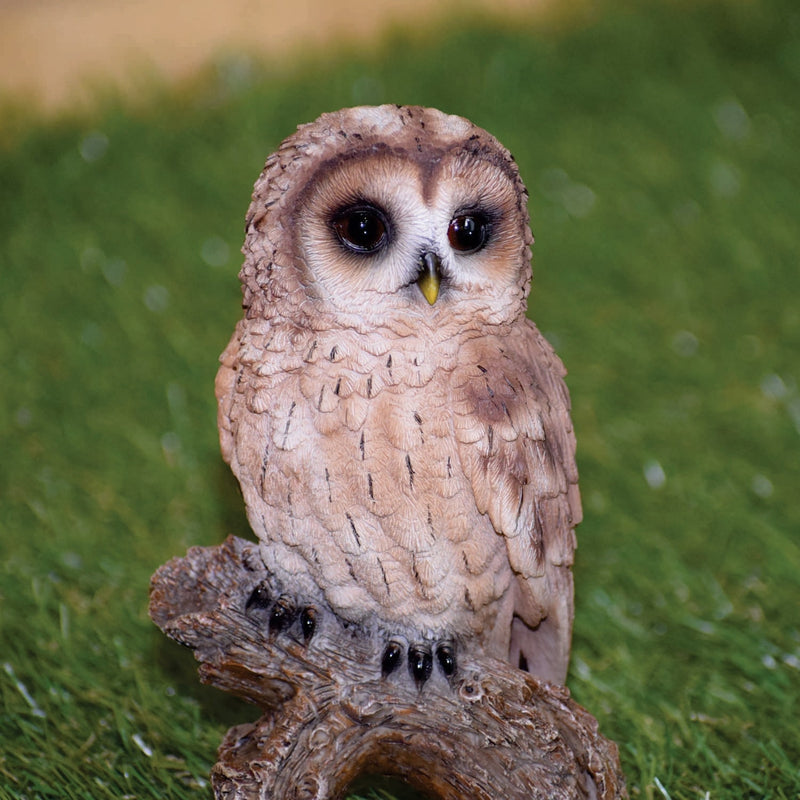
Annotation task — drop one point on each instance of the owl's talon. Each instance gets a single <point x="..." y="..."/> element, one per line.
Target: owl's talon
<point x="446" y="656"/>
<point x="308" y="622"/>
<point x="392" y="657"/>
<point x="259" y="599"/>
<point x="282" y="615"/>
<point x="420" y="662"/>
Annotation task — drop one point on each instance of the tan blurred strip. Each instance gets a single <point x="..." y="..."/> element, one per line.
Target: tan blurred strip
<point x="49" y="49"/>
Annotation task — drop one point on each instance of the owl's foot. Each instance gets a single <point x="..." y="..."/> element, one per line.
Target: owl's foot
<point x="420" y="659"/>
<point x="277" y="612"/>
<point x="281" y="613"/>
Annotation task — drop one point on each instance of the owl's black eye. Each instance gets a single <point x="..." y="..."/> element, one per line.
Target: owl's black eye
<point x="363" y="229"/>
<point x="468" y="233"/>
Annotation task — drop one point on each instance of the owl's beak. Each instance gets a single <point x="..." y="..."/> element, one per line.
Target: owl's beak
<point x="430" y="276"/>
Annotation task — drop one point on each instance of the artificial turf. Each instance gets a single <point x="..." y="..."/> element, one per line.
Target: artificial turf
<point x="661" y="146"/>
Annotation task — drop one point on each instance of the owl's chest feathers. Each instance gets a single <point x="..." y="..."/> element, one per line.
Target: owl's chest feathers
<point x="351" y="456"/>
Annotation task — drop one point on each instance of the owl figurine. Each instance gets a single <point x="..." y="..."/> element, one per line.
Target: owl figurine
<point x="400" y="430"/>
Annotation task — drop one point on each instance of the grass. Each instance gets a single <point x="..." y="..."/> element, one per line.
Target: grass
<point x="661" y="145"/>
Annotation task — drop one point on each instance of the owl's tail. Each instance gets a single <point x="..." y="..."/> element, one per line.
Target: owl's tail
<point x="544" y="650"/>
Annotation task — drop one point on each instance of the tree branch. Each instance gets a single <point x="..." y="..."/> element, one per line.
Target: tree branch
<point x="332" y="713"/>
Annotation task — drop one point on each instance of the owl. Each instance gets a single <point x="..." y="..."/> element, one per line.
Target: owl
<point x="400" y="430"/>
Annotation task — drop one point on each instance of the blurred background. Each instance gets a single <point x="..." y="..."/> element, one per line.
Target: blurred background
<point x="660" y="142"/>
<point x="58" y="52"/>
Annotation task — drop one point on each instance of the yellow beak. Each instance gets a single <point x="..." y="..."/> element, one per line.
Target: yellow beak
<point x="430" y="276"/>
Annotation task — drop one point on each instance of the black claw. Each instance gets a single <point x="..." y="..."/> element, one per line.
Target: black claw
<point x="420" y="662"/>
<point x="259" y="598"/>
<point x="282" y="615"/>
<point x="392" y="656"/>
<point x="446" y="656"/>
<point x="308" y="622"/>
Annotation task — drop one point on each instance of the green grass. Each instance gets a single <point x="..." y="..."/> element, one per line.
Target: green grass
<point x="661" y="146"/>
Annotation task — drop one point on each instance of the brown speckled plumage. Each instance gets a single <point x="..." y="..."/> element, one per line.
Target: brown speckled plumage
<point x="414" y="462"/>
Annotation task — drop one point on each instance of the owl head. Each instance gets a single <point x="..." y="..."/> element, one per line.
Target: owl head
<point x="393" y="216"/>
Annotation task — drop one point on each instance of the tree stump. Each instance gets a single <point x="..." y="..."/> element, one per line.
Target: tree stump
<point x="333" y="712"/>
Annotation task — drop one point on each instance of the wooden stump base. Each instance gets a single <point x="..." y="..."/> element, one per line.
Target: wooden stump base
<point x="330" y="714"/>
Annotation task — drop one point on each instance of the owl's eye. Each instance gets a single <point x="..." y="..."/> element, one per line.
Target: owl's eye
<point x="468" y="233"/>
<point x="363" y="229"/>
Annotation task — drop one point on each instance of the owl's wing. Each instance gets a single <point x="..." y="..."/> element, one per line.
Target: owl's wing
<point x="517" y="448"/>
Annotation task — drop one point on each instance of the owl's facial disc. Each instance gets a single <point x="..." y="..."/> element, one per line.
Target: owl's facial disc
<point x="386" y="232"/>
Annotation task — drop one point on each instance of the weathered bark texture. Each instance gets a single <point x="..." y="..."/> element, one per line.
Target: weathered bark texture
<point x="480" y="729"/>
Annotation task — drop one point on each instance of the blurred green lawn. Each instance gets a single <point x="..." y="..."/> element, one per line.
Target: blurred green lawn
<point x="661" y="147"/>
